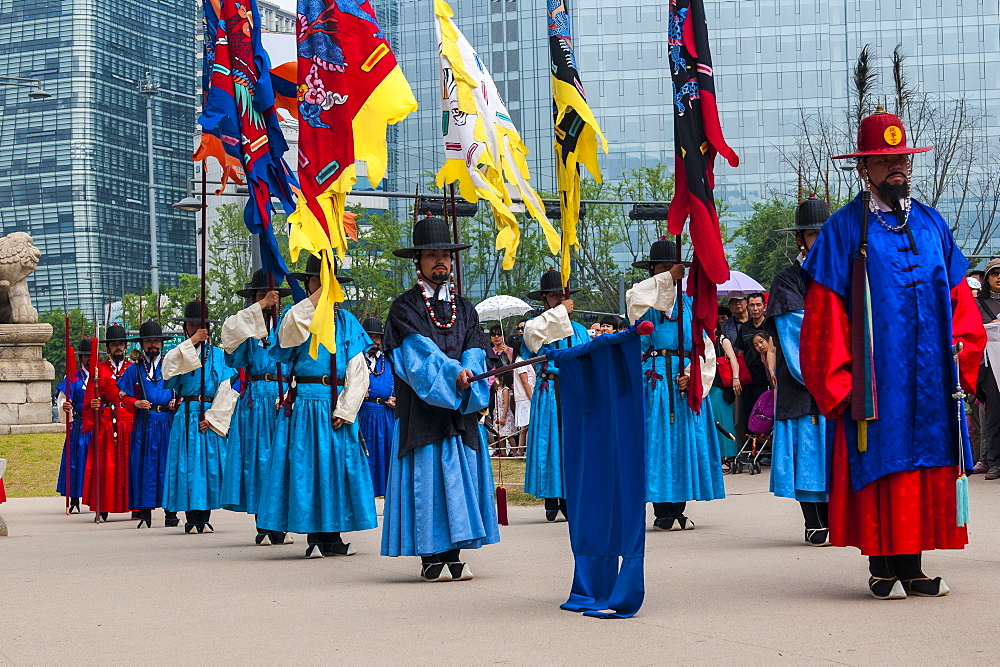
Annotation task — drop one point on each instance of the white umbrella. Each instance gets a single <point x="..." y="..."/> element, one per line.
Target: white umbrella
<point x="738" y="282"/>
<point x="500" y="306"/>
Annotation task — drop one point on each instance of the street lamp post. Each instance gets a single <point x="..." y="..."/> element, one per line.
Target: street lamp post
<point x="37" y="92"/>
<point x="148" y="89"/>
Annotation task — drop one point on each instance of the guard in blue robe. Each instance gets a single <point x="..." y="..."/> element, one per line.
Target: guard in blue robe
<point x="887" y="300"/>
<point x="247" y="340"/>
<point x="71" y="406"/>
<point x="317" y="479"/>
<point x="154" y="414"/>
<point x="377" y="416"/>
<point x="799" y="456"/>
<point x="440" y="494"/>
<point x="683" y="460"/>
<point x="552" y="330"/>
<point x="195" y="454"/>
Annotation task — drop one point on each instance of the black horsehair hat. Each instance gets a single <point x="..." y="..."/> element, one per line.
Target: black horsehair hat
<point x="313" y="267"/>
<point x="373" y="325"/>
<point x="551" y="282"/>
<point x="259" y="282"/>
<point x="430" y="234"/>
<point x="149" y="329"/>
<point x="115" y="333"/>
<point x="195" y="311"/>
<point x="810" y="215"/>
<point x="661" y="251"/>
<point x="84" y="346"/>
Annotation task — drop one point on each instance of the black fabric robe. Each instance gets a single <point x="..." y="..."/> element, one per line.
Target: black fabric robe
<point x="419" y="422"/>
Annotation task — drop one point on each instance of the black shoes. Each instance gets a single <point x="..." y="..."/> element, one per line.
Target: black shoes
<point x="136" y="514"/>
<point x="323" y="549"/>
<point x="170" y="519"/>
<point x="74" y="505"/>
<point x="100" y="518"/>
<point x="673" y="523"/>
<point x="926" y="587"/>
<point x="436" y="572"/>
<point x="268" y="537"/>
<point x="885" y="588"/>
<point x="198" y="520"/>
<point x="145" y="517"/>
<point x="664" y="523"/>
<point x="818" y="537"/>
<point x="459" y="571"/>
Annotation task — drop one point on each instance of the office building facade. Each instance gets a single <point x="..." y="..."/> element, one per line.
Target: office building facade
<point x="73" y="167"/>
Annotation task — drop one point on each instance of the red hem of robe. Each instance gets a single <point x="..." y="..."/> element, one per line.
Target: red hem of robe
<point x="902" y="513"/>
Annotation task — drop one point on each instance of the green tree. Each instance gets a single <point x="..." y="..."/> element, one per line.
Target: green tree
<point x="379" y="276"/>
<point x="764" y="251"/>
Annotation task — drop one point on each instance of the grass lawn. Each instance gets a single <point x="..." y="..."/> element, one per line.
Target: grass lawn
<point x="33" y="467"/>
<point x="32" y="463"/>
<point x="513" y="472"/>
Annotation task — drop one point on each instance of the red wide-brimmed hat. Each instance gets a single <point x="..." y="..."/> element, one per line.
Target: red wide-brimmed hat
<point x="882" y="134"/>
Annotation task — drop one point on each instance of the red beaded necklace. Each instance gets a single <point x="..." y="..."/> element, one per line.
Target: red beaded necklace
<point x="430" y="310"/>
<point x="375" y="370"/>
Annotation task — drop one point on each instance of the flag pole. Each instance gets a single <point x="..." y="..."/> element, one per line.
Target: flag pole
<point x="70" y="367"/>
<point x="204" y="264"/>
<point x="454" y="227"/>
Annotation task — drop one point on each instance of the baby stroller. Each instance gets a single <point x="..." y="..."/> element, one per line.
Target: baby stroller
<point x="758" y="441"/>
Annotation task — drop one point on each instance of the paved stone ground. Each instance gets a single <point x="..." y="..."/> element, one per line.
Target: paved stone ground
<point x="741" y="589"/>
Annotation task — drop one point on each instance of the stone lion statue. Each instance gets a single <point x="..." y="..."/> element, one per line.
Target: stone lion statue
<point x="18" y="258"/>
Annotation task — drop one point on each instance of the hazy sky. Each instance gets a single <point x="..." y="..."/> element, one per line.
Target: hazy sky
<point x="288" y="5"/>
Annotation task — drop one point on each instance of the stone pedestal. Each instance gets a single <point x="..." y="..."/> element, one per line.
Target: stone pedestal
<point x="25" y="380"/>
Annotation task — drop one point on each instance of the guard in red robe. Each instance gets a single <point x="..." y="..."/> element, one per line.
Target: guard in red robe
<point x="886" y="302"/>
<point x="105" y="486"/>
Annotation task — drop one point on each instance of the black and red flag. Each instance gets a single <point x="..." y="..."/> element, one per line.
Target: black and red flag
<point x="697" y="140"/>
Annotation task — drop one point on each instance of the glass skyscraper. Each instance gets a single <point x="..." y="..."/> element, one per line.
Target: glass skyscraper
<point x="773" y="60"/>
<point x="73" y="167"/>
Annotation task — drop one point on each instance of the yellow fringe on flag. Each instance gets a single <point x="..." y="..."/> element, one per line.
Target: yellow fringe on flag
<point x="567" y="98"/>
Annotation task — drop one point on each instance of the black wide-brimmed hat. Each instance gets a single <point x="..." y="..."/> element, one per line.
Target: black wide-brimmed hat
<point x="194" y="311"/>
<point x="661" y="251"/>
<point x="83" y="347"/>
<point x="114" y="334"/>
<point x="373" y="325"/>
<point x="551" y="282"/>
<point x="810" y="215"/>
<point x="258" y="282"/>
<point x="313" y="267"/>
<point x="430" y="234"/>
<point x="149" y="329"/>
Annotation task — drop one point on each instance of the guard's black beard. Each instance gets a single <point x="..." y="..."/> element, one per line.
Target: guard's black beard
<point x="152" y="352"/>
<point x="893" y="194"/>
<point x="117" y="357"/>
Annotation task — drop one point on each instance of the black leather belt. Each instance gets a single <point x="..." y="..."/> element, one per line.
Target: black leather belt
<point x="266" y="377"/>
<point x="372" y="399"/>
<point x="316" y="379"/>
<point x="669" y="353"/>
<point x="159" y="408"/>
<point x="202" y="399"/>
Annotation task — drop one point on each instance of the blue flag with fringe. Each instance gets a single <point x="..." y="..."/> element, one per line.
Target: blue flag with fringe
<point x="604" y="466"/>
